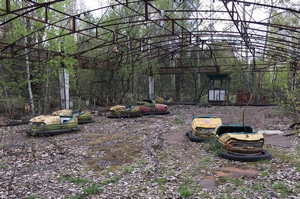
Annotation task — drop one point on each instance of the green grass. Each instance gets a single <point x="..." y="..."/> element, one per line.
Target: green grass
<point x="171" y="172"/>
<point x="265" y="173"/>
<point x="76" y="180"/>
<point x="161" y="181"/>
<point x="258" y="187"/>
<point x="188" y="180"/>
<point x="231" y="180"/>
<point x="289" y="157"/>
<point x="33" y="196"/>
<point x="178" y="120"/>
<point x="144" y="162"/>
<point x="88" y="191"/>
<point x="185" y="192"/>
<point x="129" y="169"/>
<point x="91" y="190"/>
<point x="203" y="162"/>
<point x="244" y="190"/>
<point x="3" y="167"/>
<point x="105" y="181"/>
<point x="281" y="188"/>
<point x="213" y="146"/>
<point x="115" y="179"/>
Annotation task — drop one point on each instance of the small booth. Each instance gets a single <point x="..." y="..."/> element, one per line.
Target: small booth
<point x="218" y="87"/>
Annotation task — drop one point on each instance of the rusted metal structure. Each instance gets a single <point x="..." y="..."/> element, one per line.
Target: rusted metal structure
<point x="167" y="34"/>
<point x="187" y="33"/>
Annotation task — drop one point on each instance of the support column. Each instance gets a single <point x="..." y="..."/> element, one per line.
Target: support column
<point x="294" y="77"/>
<point x="173" y="79"/>
<point x="199" y="81"/>
<point x="151" y="87"/>
<point x="64" y="89"/>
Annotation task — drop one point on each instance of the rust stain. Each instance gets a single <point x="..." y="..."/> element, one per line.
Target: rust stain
<point x="236" y="172"/>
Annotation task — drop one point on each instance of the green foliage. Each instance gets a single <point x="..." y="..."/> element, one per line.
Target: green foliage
<point x="33" y="196"/>
<point x="105" y="181"/>
<point x="3" y="167"/>
<point x="213" y="146"/>
<point x="161" y="181"/>
<point x="258" y="187"/>
<point x="188" y="180"/>
<point x="178" y="120"/>
<point x="91" y="190"/>
<point x="115" y="179"/>
<point x="281" y="187"/>
<point x="185" y="192"/>
<point x="244" y="190"/>
<point x="233" y="180"/>
<point x="129" y="169"/>
<point x="265" y="173"/>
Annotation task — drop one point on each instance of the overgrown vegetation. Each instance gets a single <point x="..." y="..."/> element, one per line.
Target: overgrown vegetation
<point x="122" y="78"/>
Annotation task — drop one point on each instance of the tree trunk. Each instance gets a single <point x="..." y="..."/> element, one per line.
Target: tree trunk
<point x="47" y="100"/>
<point x="28" y="27"/>
<point x="7" y="109"/>
<point x="28" y="80"/>
<point x="28" y="74"/>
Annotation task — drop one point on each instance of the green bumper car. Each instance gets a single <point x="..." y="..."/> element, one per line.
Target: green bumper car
<point x="49" y="125"/>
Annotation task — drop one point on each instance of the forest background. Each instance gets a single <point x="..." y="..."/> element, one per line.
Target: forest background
<point x="122" y="79"/>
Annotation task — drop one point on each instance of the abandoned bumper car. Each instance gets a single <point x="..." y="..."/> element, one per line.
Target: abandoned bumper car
<point x="146" y="107"/>
<point x="203" y="128"/>
<point x="82" y="116"/>
<point x="240" y="143"/>
<point x="120" y="111"/>
<point x="49" y="125"/>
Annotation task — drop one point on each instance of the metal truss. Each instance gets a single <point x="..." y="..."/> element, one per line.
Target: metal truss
<point x="185" y="36"/>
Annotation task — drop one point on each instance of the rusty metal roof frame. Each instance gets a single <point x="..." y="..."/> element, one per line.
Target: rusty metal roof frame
<point x="175" y="41"/>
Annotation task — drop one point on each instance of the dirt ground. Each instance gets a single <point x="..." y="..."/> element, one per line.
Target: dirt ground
<point x="125" y="134"/>
<point x="121" y="142"/>
<point x="174" y="125"/>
